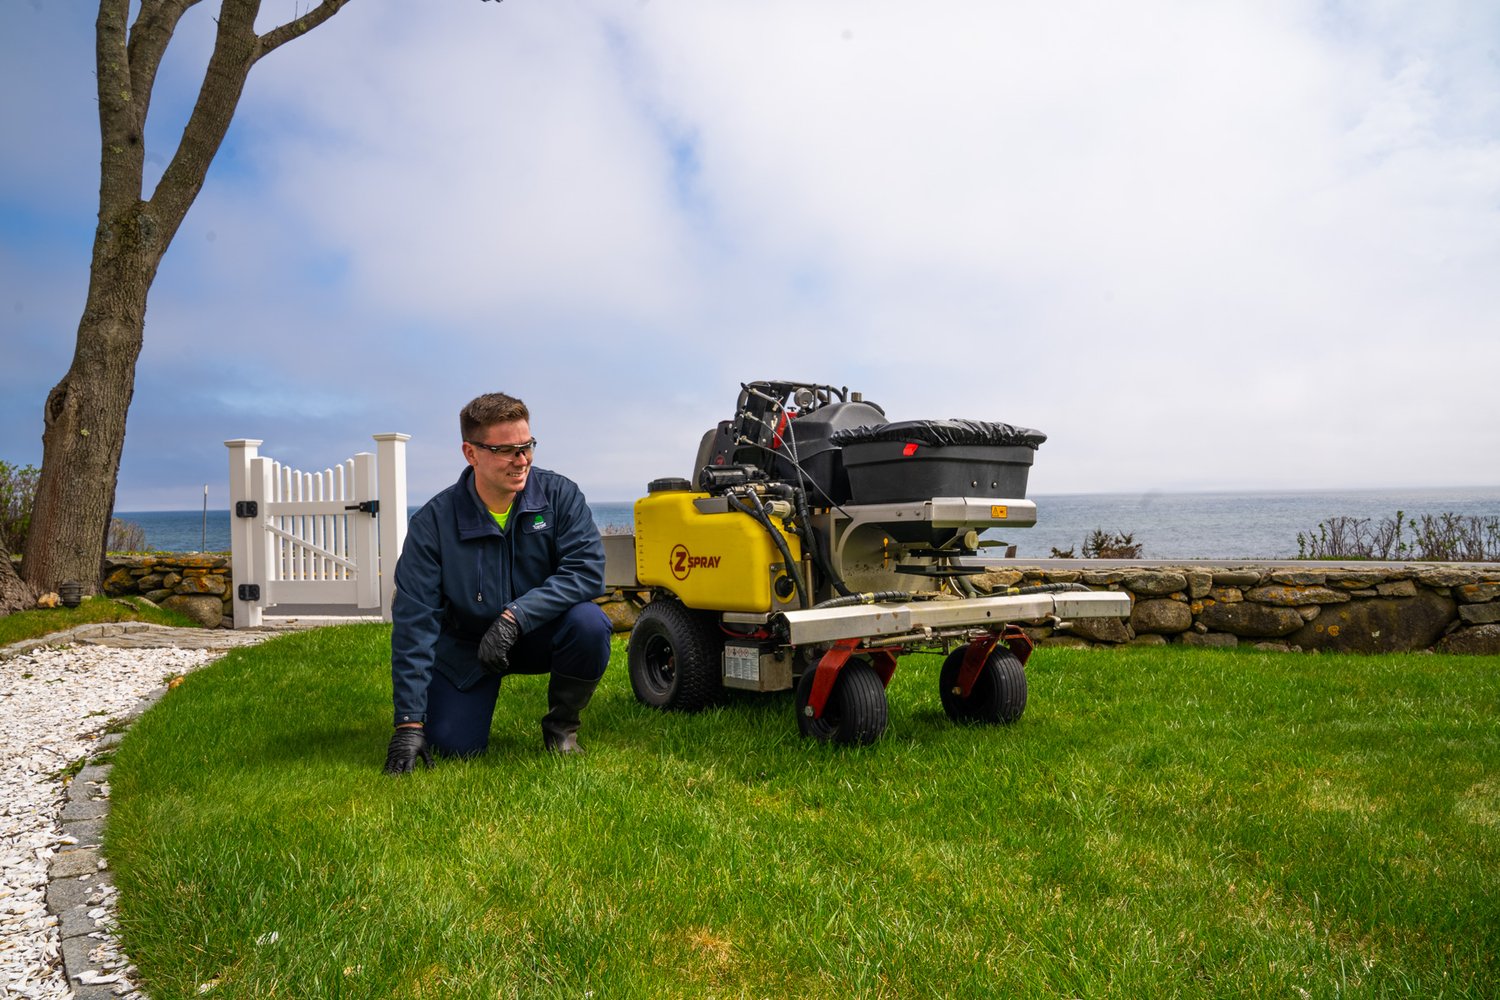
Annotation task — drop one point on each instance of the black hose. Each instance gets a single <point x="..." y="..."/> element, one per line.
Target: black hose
<point x="758" y="512"/>
<point x="1044" y="588"/>
<point x="881" y="596"/>
<point x="874" y="597"/>
<point x="809" y="539"/>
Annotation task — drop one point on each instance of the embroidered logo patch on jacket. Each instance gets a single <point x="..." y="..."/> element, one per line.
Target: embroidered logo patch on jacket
<point x="539" y="523"/>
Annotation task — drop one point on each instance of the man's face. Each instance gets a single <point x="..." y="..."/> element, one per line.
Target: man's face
<point x="500" y="475"/>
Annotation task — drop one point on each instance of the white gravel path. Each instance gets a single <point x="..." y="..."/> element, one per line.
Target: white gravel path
<point x="55" y="706"/>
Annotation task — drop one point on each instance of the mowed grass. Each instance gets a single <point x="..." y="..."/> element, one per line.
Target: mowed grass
<point x="40" y="622"/>
<point x="1161" y="822"/>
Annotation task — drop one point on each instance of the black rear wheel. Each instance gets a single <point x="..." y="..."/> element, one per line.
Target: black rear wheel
<point x="674" y="656"/>
<point x="999" y="693"/>
<point x="856" y="711"/>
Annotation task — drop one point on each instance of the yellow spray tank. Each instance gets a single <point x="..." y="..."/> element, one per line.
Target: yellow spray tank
<point x="709" y="555"/>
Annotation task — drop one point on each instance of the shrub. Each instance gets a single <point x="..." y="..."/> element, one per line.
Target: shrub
<point x="1444" y="537"/>
<point x="1453" y="538"/>
<point x="1102" y="545"/>
<point x="125" y="536"/>
<point x="17" y="490"/>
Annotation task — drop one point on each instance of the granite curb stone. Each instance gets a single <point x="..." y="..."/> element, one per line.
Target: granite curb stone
<point x="82" y="818"/>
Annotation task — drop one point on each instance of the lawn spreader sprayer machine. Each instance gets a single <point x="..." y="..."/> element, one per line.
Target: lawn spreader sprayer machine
<point x="816" y="543"/>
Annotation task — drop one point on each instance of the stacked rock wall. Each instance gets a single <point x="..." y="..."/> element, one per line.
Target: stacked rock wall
<point x="1346" y="608"/>
<point x="197" y="586"/>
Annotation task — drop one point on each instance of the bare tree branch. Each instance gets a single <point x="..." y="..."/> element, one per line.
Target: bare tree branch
<point x="236" y="50"/>
<point x="277" y="37"/>
<point x="119" y="161"/>
<point x="223" y="83"/>
<point x="149" y="36"/>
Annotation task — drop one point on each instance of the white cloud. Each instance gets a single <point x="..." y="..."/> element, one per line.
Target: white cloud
<point x="1234" y="245"/>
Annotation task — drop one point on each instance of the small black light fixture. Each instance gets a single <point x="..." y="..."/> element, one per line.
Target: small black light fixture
<point x="70" y="592"/>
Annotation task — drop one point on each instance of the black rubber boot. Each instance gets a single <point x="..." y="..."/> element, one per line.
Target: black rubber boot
<point x="566" y="698"/>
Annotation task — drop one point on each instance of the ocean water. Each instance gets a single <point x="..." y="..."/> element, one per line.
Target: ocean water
<point x="1166" y="525"/>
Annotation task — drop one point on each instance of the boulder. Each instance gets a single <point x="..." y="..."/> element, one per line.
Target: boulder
<point x="1299" y="577"/>
<point x="1212" y="640"/>
<point x="1446" y="576"/>
<point x="1481" y="640"/>
<point x="1378" y="626"/>
<point x="1111" y="630"/>
<point x="995" y="579"/>
<point x="1295" y="595"/>
<point x="119" y="582"/>
<point x="1255" y="621"/>
<point x="1155" y="583"/>
<point x="205" y="609"/>
<point x="1200" y="582"/>
<point x="135" y="602"/>
<point x="1348" y="579"/>
<point x="202" y="583"/>
<point x="1479" y="614"/>
<point x="1161" y="616"/>
<point x="621" y="614"/>
<point x="1477" y="593"/>
<point x="1237" y="578"/>
<point x="1104" y="578"/>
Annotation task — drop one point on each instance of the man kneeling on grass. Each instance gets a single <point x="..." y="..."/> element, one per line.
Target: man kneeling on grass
<point x="498" y="576"/>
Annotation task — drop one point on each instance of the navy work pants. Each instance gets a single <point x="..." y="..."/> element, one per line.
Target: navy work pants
<point x="574" y="644"/>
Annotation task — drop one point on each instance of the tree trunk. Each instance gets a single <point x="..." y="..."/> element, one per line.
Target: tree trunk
<point x="15" y="594"/>
<point x="84" y="419"/>
<point x="81" y="445"/>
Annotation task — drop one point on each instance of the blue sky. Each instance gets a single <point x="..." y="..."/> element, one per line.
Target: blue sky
<point x="1244" y="245"/>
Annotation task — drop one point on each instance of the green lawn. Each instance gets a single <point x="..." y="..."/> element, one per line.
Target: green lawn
<point x="1161" y="822"/>
<point x="44" y="621"/>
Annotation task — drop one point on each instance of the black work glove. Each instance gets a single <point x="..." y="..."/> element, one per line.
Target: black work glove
<point x="494" y="648"/>
<point x="406" y="746"/>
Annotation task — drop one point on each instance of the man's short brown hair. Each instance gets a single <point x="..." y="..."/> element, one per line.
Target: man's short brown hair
<point x="491" y="408"/>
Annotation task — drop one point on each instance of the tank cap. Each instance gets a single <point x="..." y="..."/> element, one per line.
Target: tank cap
<point x="671" y="484"/>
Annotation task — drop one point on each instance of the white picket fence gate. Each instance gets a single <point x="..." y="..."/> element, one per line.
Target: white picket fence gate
<point x="328" y="538"/>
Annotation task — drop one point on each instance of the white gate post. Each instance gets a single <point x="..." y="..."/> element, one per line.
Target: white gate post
<point x="260" y="562"/>
<point x="242" y="451"/>
<point x="391" y="449"/>
<point x="364" y="541"/>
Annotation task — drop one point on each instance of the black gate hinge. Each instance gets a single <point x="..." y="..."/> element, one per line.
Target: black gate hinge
<point x="367" y="506"/>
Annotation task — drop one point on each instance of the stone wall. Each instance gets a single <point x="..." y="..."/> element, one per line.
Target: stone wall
<point x="1344" y="608"/>
<point x="194" y="585"/>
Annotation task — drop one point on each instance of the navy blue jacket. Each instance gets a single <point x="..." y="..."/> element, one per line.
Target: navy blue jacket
<point x="458" y="571"/>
